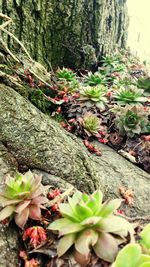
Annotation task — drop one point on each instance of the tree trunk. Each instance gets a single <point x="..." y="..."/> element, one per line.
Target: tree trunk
<point x="74" y="33"/>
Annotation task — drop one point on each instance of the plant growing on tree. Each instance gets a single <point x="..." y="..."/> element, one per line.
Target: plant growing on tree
<point x="131" y="120"/>
<point x="91" y="123"/>
<point x="88" y="223"/>
<point x="22" y="197"/>
<point x="130" y="95"/>
<point x="94" y="96"/>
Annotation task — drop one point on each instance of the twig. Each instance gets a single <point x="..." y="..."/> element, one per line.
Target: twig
<point x="11" y="78"/>
<point x="60" y="197"/>
<point x="2" y="28"/>
<point x="39" y="78"/>
<point x="8" y="50"/>
<point x="5" y="24"/>
<point x="17" y="40"/>
<point x="3" y="16"/>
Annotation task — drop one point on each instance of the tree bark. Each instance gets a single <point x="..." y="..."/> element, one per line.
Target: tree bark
<point x="8" y="235"/>
<point x="36" y="141"/>
<point x="74" y="33"/>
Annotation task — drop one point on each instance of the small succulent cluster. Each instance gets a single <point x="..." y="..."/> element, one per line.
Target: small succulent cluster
<point x="94" y="79"/>
<point x="36" y="235"/>
<point x="118" y="81"/>
<point x="22" y="197"/>
<point x="91" y="124"/>
<point x="88" y="224"/>
<point x="136" y="255"/>
<point x="144" y="83"/>
<point x="94" y="96"/>
<point x="131" y="121"/>
<point x="65" y="74"/>
<point x="66" y="80"/>
<point x="130" y="95"/>
<point x="113" y="63"/>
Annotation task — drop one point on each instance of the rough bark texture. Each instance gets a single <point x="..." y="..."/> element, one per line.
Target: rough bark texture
<point x="8" y="236"/>
<point x="38" y="142"/>
<point x="74" y="33"/>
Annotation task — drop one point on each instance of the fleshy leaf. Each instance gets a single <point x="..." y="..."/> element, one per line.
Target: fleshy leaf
<point x="144" y="258"/>
<point x="67" y="212"/>
<point x="117" y="225"/>
<point x="6" y="212"/>
<point x="39" y="200"/>
<point x="92" y="204"/>
<point x="59" y="224"/>
<point x="86" y="239"/>
<point x="98" y="195"/>
<point x="109" y="207"/>
<point x="83" y="211"/>
<point x="21" y="218"/>
<point x="22" y="206"/>
<point x="146" y="264"/>
<point x="6" y="202"/>
<point x="65" y="243"/>
<point x="129" y="256"/>
<point x="34" y="212"/>
<point x="145" y="235"/>
<point x="91" y="221"/>
<point x="85" y="197"/>
<point x="71" y="228"/>
<point x="106" y="247"/>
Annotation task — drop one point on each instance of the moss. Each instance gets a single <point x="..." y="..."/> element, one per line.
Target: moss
<point x="54" y="41"/>
<point x="23" y="90"/>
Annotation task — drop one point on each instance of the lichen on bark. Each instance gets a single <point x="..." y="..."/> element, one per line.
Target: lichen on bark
<point x="73" y="33"/>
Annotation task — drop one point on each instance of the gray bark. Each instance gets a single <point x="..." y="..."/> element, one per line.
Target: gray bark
<point x="8" y="235"/>
<point x="74" y="33"/>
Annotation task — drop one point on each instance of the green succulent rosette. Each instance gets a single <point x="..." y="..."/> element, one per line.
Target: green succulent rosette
<point x="87" y="223"/>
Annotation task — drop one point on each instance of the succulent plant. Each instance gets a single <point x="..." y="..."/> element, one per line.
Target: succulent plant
<point x="145" y="237"/>
<point x="144" y="83"/>
<point x="113" y="63"/>
<point x="94" y="96"/>
<point x="88" y="223"/>
<point x="91" y="123"/>
<point x="22" y="197"/>
<point x="71" y="86"/>
<point x="65" y="74"/>
<point x="130" y="95"/>
<point x="131" y="121"/>
<point x="95" y="79"/>
<point x="110" y="61"/>
<point x="126" y="81"/>
<point x="131" y="256"/>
